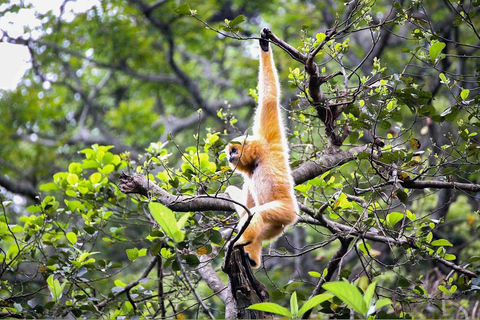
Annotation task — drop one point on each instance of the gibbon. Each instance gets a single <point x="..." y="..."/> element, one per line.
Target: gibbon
<point x="263" y="161"/>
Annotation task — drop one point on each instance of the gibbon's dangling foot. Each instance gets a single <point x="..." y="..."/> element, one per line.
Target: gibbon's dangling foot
<point x="263" y="161"/>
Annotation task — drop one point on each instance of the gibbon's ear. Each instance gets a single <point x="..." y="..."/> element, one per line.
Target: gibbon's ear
<point x="265" y="35"/>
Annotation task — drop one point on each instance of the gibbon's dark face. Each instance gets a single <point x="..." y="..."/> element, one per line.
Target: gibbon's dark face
<point x="233" y="156"/>
<point x="235" y="153"/>
<point x="242" y="154"/>
<point x="234" y="150"/>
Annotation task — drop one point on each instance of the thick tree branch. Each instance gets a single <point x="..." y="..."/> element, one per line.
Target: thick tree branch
<point x="211" y="277"/>
<point x="330" y="159"/>
<point x="141" y="185"/>
<point x="20" y="187"/>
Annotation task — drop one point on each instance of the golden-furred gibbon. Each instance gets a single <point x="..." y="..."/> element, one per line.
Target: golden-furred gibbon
<point x="263" y="161"/>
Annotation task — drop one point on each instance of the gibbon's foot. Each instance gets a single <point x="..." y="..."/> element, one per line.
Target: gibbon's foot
<point x="254" y="253"/>
<point x="265" y="35"/>
<point x="253" y="263"/>
<point x="239" y="243"/>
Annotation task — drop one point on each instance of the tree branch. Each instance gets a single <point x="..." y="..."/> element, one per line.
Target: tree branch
<point x="24" y="188"/>
<point x="441" y="185"/>
<point x="139" y="184"/>
<point x="332" y="267"/>
<point x="129" y="286"/>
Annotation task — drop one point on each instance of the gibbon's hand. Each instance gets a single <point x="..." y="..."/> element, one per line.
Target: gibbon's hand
<point x="265" y="34"/>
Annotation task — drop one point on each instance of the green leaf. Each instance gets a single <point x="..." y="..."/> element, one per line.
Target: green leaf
<point x="132" y="254"/>
<point x="464" y="94"/>
<point x="313" y="302"/>
<point x="443" y="78"/>
<point x="320" y="37"/>
<point x="50" y="281"/>
<point x="314" y="274"/>
<point x="107" y="169"/>
<point x="142" y="252"/>
<point x="349" y="294"/>
<point x="382" y="303"/>
<point x="192" y="260"/>
<point x="342" y="202"/>
<point x="435" y="50"/>
<point x="294" y="304"/>
<point x="393" y="218"/>
<point x="51" y="186"/>
<point x="441" y="243"/>
<point x="367" y="297"/>
<point x="365" y="248"/>
<point x="56" y="289"/>
<point x="239" y="19"/>
<point x="75" y="167"/>
<point x="411" y="215"/>
<point x="166" y="219"/>
<point x="450" y="257"/>
<point x="272" y="308"/>
<point x="181" y="222"/>
<point x="96" y="177"/>
<point x="474" y="259"/>
<point x="72" y="179"/>
<point x="165" y="253"/>
<point x="89" y="164"/>
<point x="183" y="9"/>
<point x="72" y="237"/>
<point x="443" y="289"/>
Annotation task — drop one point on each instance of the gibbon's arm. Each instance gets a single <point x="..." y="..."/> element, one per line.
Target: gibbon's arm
<point x="267" y="118"/>
<point x="243" y="196"/>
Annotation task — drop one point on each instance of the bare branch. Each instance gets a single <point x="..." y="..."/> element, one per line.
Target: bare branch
<point x="441" y="185"/>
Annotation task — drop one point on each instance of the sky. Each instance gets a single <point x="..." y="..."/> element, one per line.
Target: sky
<point x="15" y="59"/>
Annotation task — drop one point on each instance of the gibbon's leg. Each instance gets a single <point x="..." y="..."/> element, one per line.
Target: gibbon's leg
<point x="274" y="213"/>
<point x="268" y="222"/>
<point x="271" y="231"/>
<point x="254" y="253"/>
<point x="254" y="249"/>
<point x="254" y="228"/>
<point x="250" y="238"/>
<point x="243" y="196"/>
<point x="278" y="212"/>
<point x="268" y="122"/>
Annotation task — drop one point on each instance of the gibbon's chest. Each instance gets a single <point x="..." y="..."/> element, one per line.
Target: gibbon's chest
<point x="263" y="184"/>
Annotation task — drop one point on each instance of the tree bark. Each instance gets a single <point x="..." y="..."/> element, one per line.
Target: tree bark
<point x="244" y="287"/>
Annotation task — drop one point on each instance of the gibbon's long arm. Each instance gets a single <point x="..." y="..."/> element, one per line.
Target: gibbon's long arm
<point x="267" y="118"/>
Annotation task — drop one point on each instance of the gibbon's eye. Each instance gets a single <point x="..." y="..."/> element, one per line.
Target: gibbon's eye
<point x="233" y="150"/>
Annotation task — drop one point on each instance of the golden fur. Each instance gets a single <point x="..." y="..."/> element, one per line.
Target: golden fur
<point x="263" y="161"/>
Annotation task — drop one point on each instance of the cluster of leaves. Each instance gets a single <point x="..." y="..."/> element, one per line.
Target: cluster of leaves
<point x="61" y="243"/>
<point x="343" y="293"/>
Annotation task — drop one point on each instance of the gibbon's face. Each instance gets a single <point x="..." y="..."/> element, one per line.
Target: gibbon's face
<point x="236" y="154"/>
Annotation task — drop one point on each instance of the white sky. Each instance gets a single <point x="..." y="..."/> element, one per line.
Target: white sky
<point x="15" y="59"/>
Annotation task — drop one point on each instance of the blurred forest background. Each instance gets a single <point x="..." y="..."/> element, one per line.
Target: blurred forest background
<point x="382" y="108"/>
